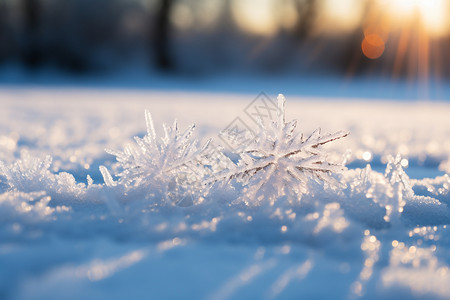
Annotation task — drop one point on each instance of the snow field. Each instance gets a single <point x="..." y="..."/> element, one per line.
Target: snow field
<point x="368" y="231"/>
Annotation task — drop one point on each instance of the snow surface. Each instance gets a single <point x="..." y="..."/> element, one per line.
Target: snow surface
<point x="66" y="233"/>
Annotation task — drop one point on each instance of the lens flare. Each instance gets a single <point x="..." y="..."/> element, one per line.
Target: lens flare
<point x="373" y="46"/>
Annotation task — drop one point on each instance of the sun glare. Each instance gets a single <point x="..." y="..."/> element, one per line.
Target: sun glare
<point x="431" y="13"/>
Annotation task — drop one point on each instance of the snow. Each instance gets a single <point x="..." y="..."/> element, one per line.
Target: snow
<point x="277" y="161"/>
<point x="68" y="232"/>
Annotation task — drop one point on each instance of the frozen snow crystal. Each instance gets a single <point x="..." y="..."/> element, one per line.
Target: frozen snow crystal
<point x="172" y="167"/>
<point x="397" y="176"/>
<point x="280" y="162"/>
<point x="32" y="174"/>
<point x="28" y="173"/>
<point x="399" y="187"/>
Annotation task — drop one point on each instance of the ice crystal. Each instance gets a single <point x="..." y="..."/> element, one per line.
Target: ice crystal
<point x="32" y="174"/>
<point x="280" y="162"/>
<point x="28" y="173"/>
<point x="397" y="177"/>
<point x="398" y="185"/>
<point x="389" y="191"/>
<point x="172" y="167"/>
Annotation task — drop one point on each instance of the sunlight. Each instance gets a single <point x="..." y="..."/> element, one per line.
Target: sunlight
<point x="431" y="13"/>
<point x="341" y="15"/>
<point x="255" y="16"/>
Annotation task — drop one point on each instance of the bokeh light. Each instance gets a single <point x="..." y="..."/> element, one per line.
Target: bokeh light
<point x="341" y="15"/>
<point x="255" y="16"/>
<point x="373" y="46"/>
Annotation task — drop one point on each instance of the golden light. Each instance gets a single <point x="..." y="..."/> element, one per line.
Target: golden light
<point x="255" y="16"/>
<point x="341" y="15"/>
<point x="432" y="14"/>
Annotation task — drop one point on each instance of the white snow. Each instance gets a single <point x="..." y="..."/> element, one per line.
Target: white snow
<point x="68" y="232"/>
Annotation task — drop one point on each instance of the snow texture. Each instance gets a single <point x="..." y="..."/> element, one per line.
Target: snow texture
<point x="173" y="219"/>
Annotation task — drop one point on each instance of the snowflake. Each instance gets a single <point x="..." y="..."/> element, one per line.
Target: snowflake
<point x="279" y="162"/>
<point x="398" y="187"/>
<point x="397" y="177"/>
<point x="172" y="167"/>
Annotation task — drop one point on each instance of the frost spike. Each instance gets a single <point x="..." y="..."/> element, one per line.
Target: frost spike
<point x="166" y="134"/>
<point x="314" y="144"/>
<point x="150" y="127"/>
<point x="89" y="179"/>
<point x="188" y="132"/>
<point x="109" y="181"/>
<point x="315" y="135"/>
<point x="281" y="110"/>
<point x="328" y="138"/>
<point x="206" y="145"/>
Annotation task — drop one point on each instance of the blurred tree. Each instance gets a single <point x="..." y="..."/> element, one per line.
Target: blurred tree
<point x="307" y="12"/>
<point x="295" y="39"/>
<point x="31" y="51"/>
<point x="352" y="60"/>
<point x="3" y="30"/>
<point x="162" y="36"/>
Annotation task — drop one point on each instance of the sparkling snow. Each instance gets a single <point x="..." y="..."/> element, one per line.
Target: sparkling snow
<point x="66" y="233"/>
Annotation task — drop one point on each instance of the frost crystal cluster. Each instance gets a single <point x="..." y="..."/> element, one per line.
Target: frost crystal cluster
<point x="171" y="167"/>
<point x="281" y="162"/>
<point x="278" y="162"/>
<point x="31" y="174"/>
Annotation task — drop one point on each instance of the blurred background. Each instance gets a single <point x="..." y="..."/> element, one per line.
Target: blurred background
<point x="403" y="40"/>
